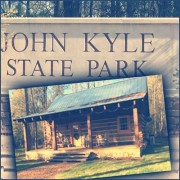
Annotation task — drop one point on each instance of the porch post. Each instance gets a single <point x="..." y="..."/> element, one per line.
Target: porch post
<point x="135" y="118"/>
<point x="89" y="130"/>
<point x="71" y="135"/>
<point x="26" y="138"/>
<point x="54" y="143"/>
<point x="45" y="136"/>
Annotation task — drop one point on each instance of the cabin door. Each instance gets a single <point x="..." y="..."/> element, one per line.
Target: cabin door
<point x="76" y="134"/>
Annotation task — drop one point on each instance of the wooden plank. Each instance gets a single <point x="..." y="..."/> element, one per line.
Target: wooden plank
<point x="84" y="129"/>
<point x="172" y="103"/>
<point x="111" y="134"/>
<point x="8" y="162"/>
<point x="105" y="127"/>
<point x="174" y="142"/>
<point x="5" y="107"/>
<point x="172" y="113"/>
<point x="173" y="120"/>
<point x="118" y="140"/>
<point x="4" y="98"/>
<point x="109" y="131"/>
<point x="174" y="155"/>
<point x="116" y="135"/>
<point x="103" y="120"/>
<point x="121" y="135"/>
<point x="95" y="124"/>
<point x="175" y="165"/>
<point x="173" y="127"/>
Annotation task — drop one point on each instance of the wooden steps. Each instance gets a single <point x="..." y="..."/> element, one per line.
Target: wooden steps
<point x="68" y="157"/>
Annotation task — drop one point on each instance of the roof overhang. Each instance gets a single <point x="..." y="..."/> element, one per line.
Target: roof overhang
<point x="48" y="114"/>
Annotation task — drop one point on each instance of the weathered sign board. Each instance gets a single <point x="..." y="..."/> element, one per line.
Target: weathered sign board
<point x="37" y="52"/>
<point x="45" y="51"/>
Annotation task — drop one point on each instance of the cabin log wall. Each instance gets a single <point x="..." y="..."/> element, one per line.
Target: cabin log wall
<point x="107" y="128"/>
<point x="63" y="130"/>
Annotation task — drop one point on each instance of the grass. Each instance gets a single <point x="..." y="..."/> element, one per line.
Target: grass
<point x="155" y="159"/>
<point x="22" y="163"/>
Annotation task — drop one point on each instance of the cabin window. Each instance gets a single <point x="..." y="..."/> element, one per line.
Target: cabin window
<point x="123" y="124"/>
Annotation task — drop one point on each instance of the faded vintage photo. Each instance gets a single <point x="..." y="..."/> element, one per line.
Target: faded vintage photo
<point x="91" y="129"/>
<point x="90" y="89"/>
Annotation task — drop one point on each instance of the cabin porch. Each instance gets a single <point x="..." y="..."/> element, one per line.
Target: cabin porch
<point x="99" y="120"/>
<point x="114" y="152"/>
<point x="114" y="130"/>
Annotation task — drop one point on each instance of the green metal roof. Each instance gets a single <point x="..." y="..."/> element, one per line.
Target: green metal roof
<point x="117" y="92"/>
<point x="124" y="90"/>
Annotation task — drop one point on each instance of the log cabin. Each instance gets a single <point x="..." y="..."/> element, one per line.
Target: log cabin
<point x="106" y="116"/>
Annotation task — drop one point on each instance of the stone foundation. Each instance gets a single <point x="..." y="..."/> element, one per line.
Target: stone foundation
<point x="118" y="152"/>
<point x="39" y="154"/>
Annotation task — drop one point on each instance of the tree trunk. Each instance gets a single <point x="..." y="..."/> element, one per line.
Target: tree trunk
<point x="44" y="108"/>
<point x="112" y="8"/>
<point x="27" y="8"/>
<point x="35" y="123"/>
<point x="130" y="7"/>
<point x="153" y="8"/>
<point x="118" y="8"/>
<point x="44" y="98"/>
<point x="154" y="109"/>
<point x="56" y="8"/>
<point x="91" y="8"/>
<point x="27" y="101"/>
<point x="76" y="8"/>
<point x="176" y="8"/>
<point x="68" y="8"/>
<point x="9" y="4"/>
<point x="27" y="113"/>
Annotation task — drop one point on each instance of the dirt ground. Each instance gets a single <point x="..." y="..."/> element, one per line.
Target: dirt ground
<point x="47" y="171"/>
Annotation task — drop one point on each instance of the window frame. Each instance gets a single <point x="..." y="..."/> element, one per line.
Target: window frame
<point x="120" y="131"/>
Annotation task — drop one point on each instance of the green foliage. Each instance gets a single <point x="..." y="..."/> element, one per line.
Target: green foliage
<point x="82" y="8"/>
<point x="17" y="102"/>
<point x="12" y="9"/>
<point x="35" y="102"/>
<point x="18" y="134"/>
<point x="22" y="163"/>
<point x="158" y="126"/>
<point x="54" y="91"/>
<point x="155" y="159"/>
<point x="9" y="13"/>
